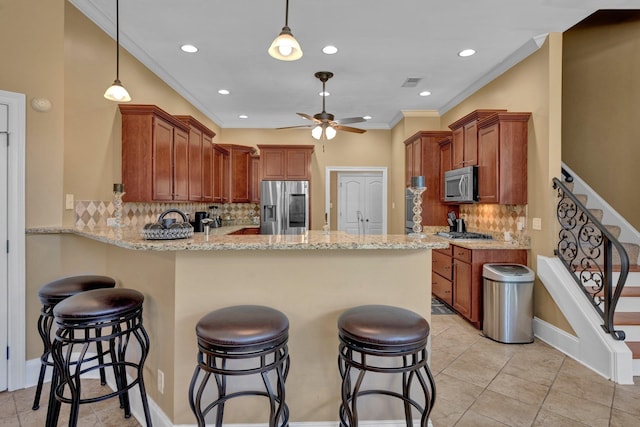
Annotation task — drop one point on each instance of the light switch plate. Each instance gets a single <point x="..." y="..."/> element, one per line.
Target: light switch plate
<point x="537" y="224"/>
<point x="68" y="201"/>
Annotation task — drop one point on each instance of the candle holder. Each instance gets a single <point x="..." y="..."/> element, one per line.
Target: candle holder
<point x="118" y="192"/>
<point x="417" y="212"/>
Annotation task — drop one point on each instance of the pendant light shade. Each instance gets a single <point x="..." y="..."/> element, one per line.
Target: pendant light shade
<point x="285" y="47"/>
<point x="116" y="92"/>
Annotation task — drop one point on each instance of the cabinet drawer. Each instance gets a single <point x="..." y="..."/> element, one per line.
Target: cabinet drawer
<point x="441" y="288"/>
<point x="447" y="251"/>
<point x="441" y="264"/>
<point x="462" y="254"/>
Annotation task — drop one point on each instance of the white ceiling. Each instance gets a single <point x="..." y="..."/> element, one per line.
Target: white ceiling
<point x="381" y="43"/>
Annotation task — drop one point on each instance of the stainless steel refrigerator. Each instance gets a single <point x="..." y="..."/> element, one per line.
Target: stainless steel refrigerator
<point x="284" y="207"/>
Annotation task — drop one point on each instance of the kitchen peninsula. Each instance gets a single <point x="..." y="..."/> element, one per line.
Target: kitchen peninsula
<point x="311" y="278"/>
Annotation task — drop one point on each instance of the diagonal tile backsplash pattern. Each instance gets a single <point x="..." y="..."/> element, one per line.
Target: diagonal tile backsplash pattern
<point x="94" y="213"/>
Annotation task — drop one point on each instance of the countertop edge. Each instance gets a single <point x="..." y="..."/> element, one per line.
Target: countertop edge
<point x="314" y="240"/>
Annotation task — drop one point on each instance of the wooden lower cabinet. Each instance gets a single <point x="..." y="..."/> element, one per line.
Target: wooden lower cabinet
<point x="457" y="277"/>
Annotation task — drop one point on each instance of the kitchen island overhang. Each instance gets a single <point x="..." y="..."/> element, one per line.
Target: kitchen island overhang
<point x="312" y="280"/>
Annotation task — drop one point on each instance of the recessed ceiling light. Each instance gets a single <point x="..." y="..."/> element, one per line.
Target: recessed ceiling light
<point x="243" y="116"/>
<point x="325" y="93"/>
<point x="367" y="117"/>
<point x="466" y="52"/>
<point x="189" y="48"/>
<point x="425" y="93"/>
<point x="223" y="92"/>
<point x="330" y="50"/>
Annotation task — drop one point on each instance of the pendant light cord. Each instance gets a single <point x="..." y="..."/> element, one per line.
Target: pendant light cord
<point x="118" y="40"/>
<point x="286" y="15"/>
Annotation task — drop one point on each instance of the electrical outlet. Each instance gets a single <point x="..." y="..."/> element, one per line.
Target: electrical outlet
<point x="160" y="381"/>
<point x="521" y="223"/>
<point x="68" y="202"/>
<point x="111" y="222"/>
<point x="537" y="224"/>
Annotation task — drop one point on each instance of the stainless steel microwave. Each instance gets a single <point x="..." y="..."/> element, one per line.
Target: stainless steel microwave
<point x="461" y="185"/>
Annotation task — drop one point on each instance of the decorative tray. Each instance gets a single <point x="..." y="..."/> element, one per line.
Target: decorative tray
<point x="168" y="228"/>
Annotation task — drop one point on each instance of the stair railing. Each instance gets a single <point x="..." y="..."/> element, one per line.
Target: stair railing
<point x="586" y="247"/>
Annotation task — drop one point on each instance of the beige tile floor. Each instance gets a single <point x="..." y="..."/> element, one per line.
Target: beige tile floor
<point x="478" y="382"/>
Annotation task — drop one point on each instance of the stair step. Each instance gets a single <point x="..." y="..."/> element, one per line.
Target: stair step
<point x="627" y="318"/>
<point x="627" y="292"/>
<point x="597" y="213"/>
<point x="613" y="229"/>
<point x="634" y="346"/>
<point x="582" y="198"/>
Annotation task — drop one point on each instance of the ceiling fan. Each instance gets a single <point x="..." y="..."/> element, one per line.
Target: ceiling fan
<point x="324" y="123"/>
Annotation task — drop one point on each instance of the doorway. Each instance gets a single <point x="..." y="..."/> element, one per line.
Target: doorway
<point x="12" y="237"/>
<point x="373" y="189"/>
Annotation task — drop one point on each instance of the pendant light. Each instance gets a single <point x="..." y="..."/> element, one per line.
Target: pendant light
<point x="116" y="92"/>
<point x="285" y="47"/>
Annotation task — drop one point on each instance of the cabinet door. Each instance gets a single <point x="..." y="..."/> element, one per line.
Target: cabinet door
<point x="462" y="288"/>
<point x="445" y="165"/>
<point x="457" y="154"/>
<point x="297" y="164"/>
<point x="254" y="179"/>
<point x="416" y="168"/>
<point x="408" y="163"/>
<point x="195" y="165"/>
<point x="162" y="160"/>
<point x="441" y="288"/>
<point x="207" y="169"/>
<point x="488" y="172"/>
<point x="218" y="175"/>
<point x="180" y="165"/>
<point x="239" y="179"/>
<point x="273" y="164"/>
<point x="470" y="144"/>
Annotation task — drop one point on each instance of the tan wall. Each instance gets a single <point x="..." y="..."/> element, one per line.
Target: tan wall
<point x="33" y="64"/>
<point x="534" y="85"/>
<point x="600" y="111"/>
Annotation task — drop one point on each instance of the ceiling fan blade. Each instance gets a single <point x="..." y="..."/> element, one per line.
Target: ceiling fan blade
<point x="308" y="117"/>
<point x="349" y="129"/>
<point x="350" y="120"/>
<point x="300" y="126"/>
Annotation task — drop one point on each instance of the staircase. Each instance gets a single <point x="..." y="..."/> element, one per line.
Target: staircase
<point x="627" y="314"/>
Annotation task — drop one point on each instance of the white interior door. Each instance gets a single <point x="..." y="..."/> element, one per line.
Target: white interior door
<point x="4" y="135"/>
<point x="360" y="203"/>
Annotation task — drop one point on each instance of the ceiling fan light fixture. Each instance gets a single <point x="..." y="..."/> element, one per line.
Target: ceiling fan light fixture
<point x="285" y="47"/>
<point x="330" y="132"/>
<point x="116" y="92"/>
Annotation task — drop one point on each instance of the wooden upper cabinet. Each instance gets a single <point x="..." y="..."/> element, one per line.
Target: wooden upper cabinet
<point x="238" y="172"/>
<point x="502" y="158"/>
<point x="446" y="161"/>
<point x="465" y="138"/>
<point x="285" y="162"/>
<point x="254" y="178"/>
<point x="154" y="154"/>
<point x="199" y="179"/>
<point x="423" y="158"/>
<point x="207" y="168"/>
<point x="220" y="174"/>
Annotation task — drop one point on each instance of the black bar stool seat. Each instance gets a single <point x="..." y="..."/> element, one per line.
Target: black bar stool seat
<point x="51" y="294"/>
<point x="112" y="316"/>
<point x="371" y="334"/>
<point x="255" y="334"/>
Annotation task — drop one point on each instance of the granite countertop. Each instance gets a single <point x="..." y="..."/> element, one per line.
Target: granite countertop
<point x="219" y="239"/>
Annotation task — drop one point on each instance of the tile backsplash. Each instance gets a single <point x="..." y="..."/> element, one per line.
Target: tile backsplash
<point x="94" y="213"/>
<point x="493" y="218"/>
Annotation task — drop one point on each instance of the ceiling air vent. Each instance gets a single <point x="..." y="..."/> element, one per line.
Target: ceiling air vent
<point x="411" y="82"/>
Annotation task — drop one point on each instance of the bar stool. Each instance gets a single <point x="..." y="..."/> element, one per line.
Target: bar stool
<point x="371" y="334"/>
<point x="112" y="316"/>
<point x="255" y="339"/>
<point x="50" y="295"/>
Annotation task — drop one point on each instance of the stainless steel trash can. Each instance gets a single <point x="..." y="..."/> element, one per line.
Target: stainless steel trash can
<point x="508" y="303"/>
